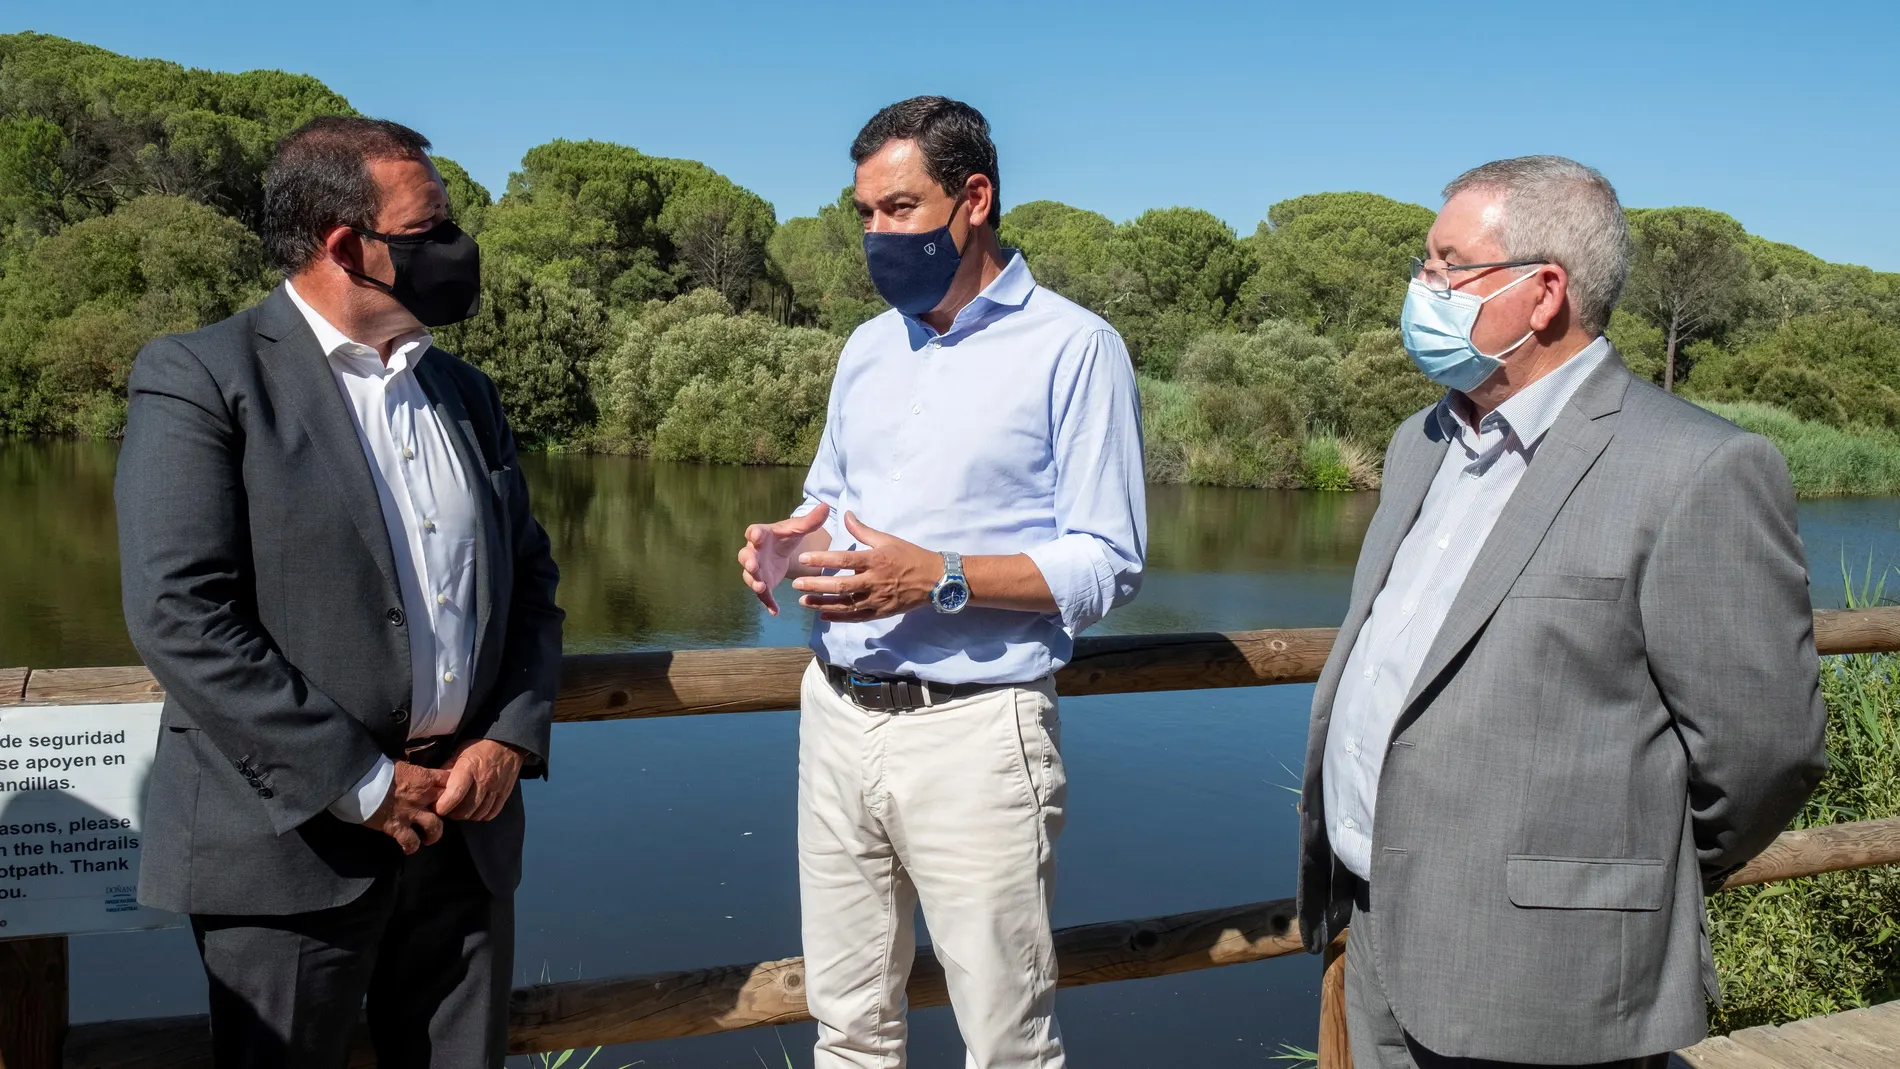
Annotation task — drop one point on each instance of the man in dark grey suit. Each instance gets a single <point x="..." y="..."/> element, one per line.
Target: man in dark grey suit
<point x="330" y="564"/>
<point x="1576" y="685"/>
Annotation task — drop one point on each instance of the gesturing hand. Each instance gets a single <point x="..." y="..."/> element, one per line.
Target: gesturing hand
<point x="482" y="775"/>
<point x="769" y="548"/>
<point x="891" y="577"/>
<point x="407" y="814"/>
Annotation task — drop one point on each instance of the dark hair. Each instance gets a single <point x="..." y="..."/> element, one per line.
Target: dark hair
<point x="320" y="180"/>
<point x="954" y="137"/>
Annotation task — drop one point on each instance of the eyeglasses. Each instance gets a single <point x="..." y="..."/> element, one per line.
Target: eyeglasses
<point x="1436" y="274"/>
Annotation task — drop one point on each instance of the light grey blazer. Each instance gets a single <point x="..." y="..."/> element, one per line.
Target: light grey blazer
<point x="1622" y="708"/>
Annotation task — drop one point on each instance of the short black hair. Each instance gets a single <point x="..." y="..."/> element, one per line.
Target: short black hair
<point x="320" y="180"/>
<point x="954" y="137"/>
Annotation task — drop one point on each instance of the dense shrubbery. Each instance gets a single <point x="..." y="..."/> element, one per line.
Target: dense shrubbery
<point x="651" y="305"/>
<point x="76" y="307"/>
<point x="691" y="380"/>
<point x="1280" y="406"/>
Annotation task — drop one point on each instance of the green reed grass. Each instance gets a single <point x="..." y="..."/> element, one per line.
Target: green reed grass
<point x="1824" y="461"/>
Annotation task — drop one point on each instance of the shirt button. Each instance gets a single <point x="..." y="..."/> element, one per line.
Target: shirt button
<point x="441" y="599"/>
<point x="916" y="410"/>
<point x="896" y="475"/>
<point x="448" y="677"/>
<point x="428" y="525"/>
<point x="1410" y="609"/>
<point x="1352" y="747"/>
<point x="1369" y="673"/>
<point x="1444" y="542"/>
<point x="408" y="454"/>
<point x="1350" y="825"/>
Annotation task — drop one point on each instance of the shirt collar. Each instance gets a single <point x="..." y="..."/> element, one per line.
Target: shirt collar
<point x="1532" y="411"/>
<point x="350" y="354"/>
<point x="1008" y="291"/>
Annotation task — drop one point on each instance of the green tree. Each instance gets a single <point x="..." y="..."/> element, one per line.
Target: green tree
<point x="1688" y="274"/>
<point x="1841" y="368"/>
<point x="719" y="232"/>
<point x="1379" y="387"/>
<point x="84" y="301"/>
<point x="468" y="199"/>
<point x="1337" y="262"/>
<point x="535" y="336"/>
<point x="692" y="380"/>
<point x="130" y="127"/>
<point x="821" y="258"/>
<point x="597" y="214"/>
<point x="1178" y="273"/>
<point x="1068" y="250"/>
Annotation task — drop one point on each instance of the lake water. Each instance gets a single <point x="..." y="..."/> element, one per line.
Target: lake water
<point x="668" y="844"/>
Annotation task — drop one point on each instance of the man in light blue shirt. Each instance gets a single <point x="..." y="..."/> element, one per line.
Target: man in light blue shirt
<point x="976" y="502"/>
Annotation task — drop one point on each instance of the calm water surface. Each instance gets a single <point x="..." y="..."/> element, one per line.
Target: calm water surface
<point x="668" y="844"/>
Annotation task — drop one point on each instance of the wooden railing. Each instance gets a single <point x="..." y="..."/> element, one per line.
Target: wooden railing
<point x="585" y="1013"/>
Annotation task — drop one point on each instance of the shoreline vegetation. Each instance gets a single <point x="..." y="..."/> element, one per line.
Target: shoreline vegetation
<point x="650" y="306"/>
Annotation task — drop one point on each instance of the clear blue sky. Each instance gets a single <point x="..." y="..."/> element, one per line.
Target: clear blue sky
<point x="1786" y="116"/>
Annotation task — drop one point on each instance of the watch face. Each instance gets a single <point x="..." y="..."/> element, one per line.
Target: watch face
<point x="952" y="595"/>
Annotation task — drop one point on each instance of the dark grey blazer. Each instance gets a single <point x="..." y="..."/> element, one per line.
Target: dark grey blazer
<point x="260" y="589"/>
<point x="1622" y="707"/>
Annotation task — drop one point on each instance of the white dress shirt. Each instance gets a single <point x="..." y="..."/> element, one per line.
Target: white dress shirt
<point x="1481" y="469"/>
<point x="430" y="515"/>
<point x="1018" y="430"/>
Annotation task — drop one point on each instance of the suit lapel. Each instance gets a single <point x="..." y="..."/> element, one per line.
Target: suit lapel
<point x="449" y="409"/>
<point x="1570" y="448"/>
<point x="301" y="380"/>
<point x="1402" y="494"/>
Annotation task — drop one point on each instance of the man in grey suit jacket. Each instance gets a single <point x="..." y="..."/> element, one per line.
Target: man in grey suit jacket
<point x="330" y="564"/>
<point x="1576" y="685"/>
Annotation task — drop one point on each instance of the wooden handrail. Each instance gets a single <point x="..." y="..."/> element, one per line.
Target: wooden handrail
<point x="623" y="686"/>
<point x="632" y="1009"/>
<point x="703" y="1001"/>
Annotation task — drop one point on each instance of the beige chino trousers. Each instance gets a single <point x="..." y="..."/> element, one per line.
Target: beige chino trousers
<point x="956" y="807"/>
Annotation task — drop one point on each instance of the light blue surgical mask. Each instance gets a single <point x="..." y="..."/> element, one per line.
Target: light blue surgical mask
<point x="1436" y="328"/>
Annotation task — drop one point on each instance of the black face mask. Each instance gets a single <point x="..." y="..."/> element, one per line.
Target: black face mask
<point x="438" y="273"/>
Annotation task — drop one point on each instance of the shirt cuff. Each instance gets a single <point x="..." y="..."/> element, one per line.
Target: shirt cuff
<point x="362" y="801"/>
<point x="1080" y="578"/>
<point x="834" y="521"/>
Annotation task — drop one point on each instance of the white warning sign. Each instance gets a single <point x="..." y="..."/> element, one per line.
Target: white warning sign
<point x="72" y="814"/>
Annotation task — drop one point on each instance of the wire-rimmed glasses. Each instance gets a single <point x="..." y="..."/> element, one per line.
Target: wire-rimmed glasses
<point x="1436" y="274"/>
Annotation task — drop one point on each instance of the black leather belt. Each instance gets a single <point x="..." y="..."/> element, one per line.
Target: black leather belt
<point x="898" y="694"/>
<point x="428" y="752"/>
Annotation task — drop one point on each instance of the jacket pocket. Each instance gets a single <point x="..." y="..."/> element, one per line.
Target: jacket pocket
<point x="1568" y="587"/>
<point x="1640" y="884"/>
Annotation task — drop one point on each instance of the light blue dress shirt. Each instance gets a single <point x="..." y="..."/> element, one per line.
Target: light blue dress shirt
<point x="1481" y="470"/>
<point x="1018" y="430"/>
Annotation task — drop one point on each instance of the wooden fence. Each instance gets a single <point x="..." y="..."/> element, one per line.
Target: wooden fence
<point x="33" y="1028"/>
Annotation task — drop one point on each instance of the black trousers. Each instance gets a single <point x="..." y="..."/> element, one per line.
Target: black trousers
<point x="427" y="950"/>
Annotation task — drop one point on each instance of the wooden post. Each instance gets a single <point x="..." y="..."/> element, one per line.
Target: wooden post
<point x="32" y="1002"/>
<point x="1334" y="1052"/>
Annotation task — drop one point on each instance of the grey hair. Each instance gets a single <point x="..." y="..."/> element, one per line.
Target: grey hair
<point x="1557" y="209"/>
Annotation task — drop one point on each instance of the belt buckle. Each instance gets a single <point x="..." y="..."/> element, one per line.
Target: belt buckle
<point x="869" y="692"/>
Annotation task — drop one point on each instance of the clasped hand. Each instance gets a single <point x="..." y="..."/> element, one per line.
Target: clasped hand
<point x="476" y="784"/>
<point x="887" y="578"/>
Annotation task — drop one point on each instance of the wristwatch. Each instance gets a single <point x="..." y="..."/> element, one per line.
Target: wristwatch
<point x="952" y="592"/>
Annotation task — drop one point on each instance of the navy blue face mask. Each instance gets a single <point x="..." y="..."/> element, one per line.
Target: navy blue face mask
<point x="913" y="272"/>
